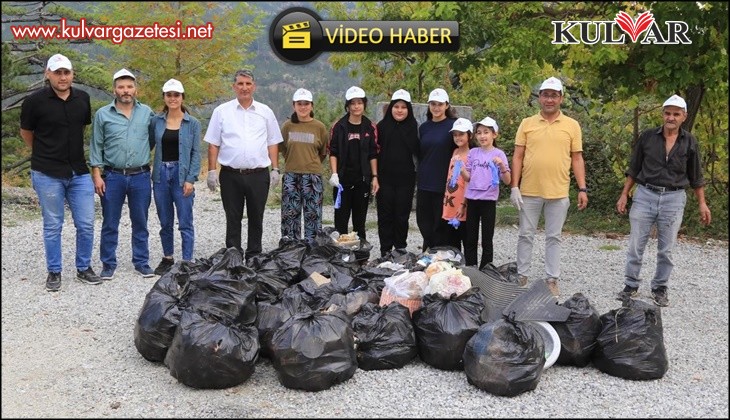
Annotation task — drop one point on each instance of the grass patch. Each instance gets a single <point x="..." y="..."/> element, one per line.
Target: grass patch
<point x="609" y="248"/>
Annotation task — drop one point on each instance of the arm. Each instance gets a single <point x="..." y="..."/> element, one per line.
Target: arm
<point x="374" y="170"/>
<point x="705" y="216"/>
<point x="213" y="156"/>
<point x="274" y="156"/>
<point x="579" y="171"/>
<point x="517" y="159"/>
<point x="623" y="198"/>
<point x="27" y="136"/>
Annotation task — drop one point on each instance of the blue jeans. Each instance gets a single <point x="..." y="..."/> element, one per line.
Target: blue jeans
<point x="665" y="211"/>
<point x="53" y="193"/>
<point x="556" y="210"/>
<point x="169" y="197"/>
<point x="138" y="191"/>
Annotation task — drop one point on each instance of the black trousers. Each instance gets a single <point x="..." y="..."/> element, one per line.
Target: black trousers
<point x="484" y="212"/>
<point x="395" y="201"/>
<point x="249" y="190"/>
<point x="355" y="200"/>
<point x="429" y="207"/>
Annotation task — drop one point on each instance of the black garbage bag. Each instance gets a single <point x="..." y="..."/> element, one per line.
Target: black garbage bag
<point x="211" y="353"/>
<point x="352" y="301"/>
<point x="314" y="351"/>
<point x="399" y="256"/>
<point x="444" y="325"/>
<point x="505" y="357"/>
<point x="273" y="314"/>
<point x="385" y="337"/>
<point x="159" y="316"/>
<point x="328" y="259"/>
<point x="631" y="342"/>
<point x="579" y="332"/>
<point x="439" y="253"/>
<point x="223" y="296"/>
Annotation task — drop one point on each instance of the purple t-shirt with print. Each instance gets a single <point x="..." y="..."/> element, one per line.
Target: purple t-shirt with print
<point x="482" y="186"/>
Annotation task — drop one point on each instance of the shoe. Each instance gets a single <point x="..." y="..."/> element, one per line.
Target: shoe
<point x="552" y="284"/>
<point x="145" y="271"/>
<point x="164" y="266"/>
<point x="661" y="296"/>
<point x="523" y="281"/>
<point x="88" y="276"/>
<point x="627" y="293"/>
<point x="107" y="273"/>
<point x="53" y="282"/>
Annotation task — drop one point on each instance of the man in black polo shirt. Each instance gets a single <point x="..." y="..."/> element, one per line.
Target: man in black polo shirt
<point x="665" y="161"/>
<point x="52" y="123"/>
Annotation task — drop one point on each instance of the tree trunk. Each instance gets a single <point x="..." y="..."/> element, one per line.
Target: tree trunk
<point x="693" y="97"/>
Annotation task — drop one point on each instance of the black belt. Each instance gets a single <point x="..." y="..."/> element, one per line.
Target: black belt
<point x="129" y="171"/>
<point x="659" y="189"/>
<point x="242" y="171"/>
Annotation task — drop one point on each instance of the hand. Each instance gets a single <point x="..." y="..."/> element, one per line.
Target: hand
<point x="188" y="189"/>
<point x="335" y="180"/>
<point x="516" y="198"/>
<point x="212" y="179"/>
<point x="274" y="178"/>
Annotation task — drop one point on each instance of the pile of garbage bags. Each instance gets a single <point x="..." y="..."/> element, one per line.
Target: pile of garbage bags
<point x="319" y="312"/>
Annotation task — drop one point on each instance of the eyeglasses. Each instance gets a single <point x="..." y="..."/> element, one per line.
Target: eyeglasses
<point x="553" y="96"/>
<point x="172" y="94"/>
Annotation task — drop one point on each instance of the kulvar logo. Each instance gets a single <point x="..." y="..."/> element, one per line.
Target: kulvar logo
<point x="618" y="30"/>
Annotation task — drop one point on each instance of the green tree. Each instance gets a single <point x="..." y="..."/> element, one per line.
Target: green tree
<point x="204" y="66"/>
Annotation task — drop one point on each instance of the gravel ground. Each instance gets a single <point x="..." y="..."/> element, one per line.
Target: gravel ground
<point x="72" y="353"/>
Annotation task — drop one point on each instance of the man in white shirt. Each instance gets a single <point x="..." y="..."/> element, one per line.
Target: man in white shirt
<point x="244" y="137"/>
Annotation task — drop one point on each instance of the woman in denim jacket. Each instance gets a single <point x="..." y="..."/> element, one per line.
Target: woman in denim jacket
<point x="176" y="134"/>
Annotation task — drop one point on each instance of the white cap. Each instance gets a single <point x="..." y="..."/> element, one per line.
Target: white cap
<point x="401" y="95"/>
<point x="354" y="92"/>
<point x="123" y="73"/>
<point x="677" y="101"/>
<point x="438" y="95"/>
<point x="552" y="83"/>
<point x="59" y="61"/>
<point x="302" y="95"/>
<point x="173" y="85"/>
<point x="462" y="124"/>
<point x="489" y="122"/>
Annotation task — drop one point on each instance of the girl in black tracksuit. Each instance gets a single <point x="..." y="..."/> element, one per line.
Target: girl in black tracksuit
<point x="399" y="149"/>
<point x="353" y="151"/>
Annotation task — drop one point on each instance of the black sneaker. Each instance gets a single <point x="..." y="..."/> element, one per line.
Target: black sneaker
<point x="88" y="276"/>
<point x="627" y="293"/>
<point x="164" y="266"/>
<point x="53" y="282"/>
<point x="661" y="296"/>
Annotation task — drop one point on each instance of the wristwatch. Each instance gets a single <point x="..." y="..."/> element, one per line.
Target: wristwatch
<point x="275" y="169"/>
<point x="374" y="175"/>
<point x="585" y="190"/>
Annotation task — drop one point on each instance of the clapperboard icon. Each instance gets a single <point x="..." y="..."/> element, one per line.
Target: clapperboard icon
<point x="297" y="36"/>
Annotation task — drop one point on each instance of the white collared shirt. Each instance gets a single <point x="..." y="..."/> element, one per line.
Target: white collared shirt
<point x="243" y="134"/>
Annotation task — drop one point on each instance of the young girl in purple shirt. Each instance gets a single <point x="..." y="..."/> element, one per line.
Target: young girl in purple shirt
<point x="485" y="166"/>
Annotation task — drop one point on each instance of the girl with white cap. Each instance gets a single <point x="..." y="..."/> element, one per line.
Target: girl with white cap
<point x="398" y="138"/>
<point x="176" y="136"/>
<point x="304" y="149"/>
<point x="454" y="203"/>
<point x="485" y="166"/>
<point x="436" y="146"/>
<point x="353" y="150"/>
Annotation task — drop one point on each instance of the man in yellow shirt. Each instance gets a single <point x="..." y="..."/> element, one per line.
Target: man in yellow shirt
<point x="547" y="146"/>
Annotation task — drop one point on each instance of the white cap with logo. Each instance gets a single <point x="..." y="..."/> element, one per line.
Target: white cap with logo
<point x="676" y="100"/>
<point x="552" y="83"/>
<point x="401" y="95"/>
<point x="173" y="85"/>
<point x="489" y="122"/>
<point x="123" y="73"/>
<point x="438" y="95"/>
<point x="59" y="61"/>
<point x="462" y="124"/>
<point x="302" y="95"/>
<point x="354" y="92"/>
